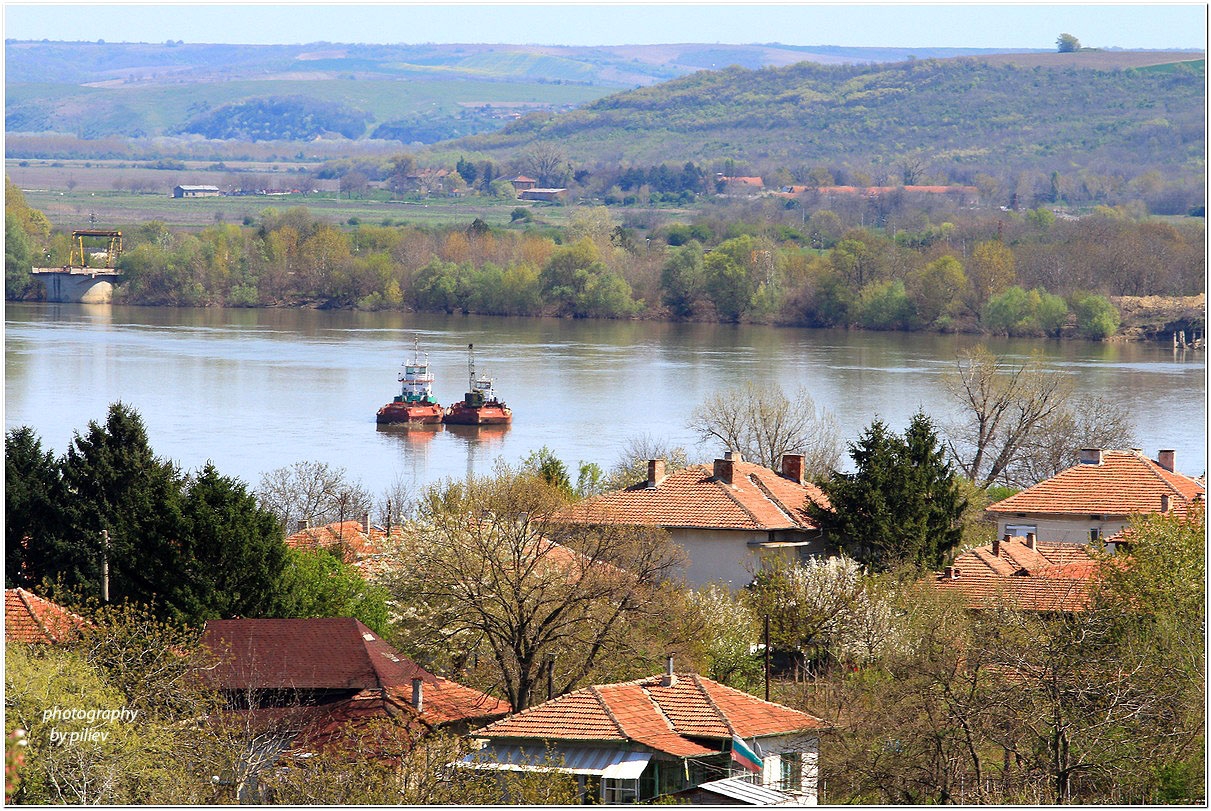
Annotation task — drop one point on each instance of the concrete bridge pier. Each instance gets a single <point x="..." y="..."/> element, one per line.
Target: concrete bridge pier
<point x="76" y="285"/>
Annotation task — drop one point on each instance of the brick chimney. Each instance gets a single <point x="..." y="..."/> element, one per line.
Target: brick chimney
<point x="1165" y="459"/>
<point x="366" y="522"/>
<point x="418" y="695"/>
<point x="725" y="466"/>
<point x="655" y="472"/>
<point x="303" y="524"/>
<point x="952" y="572"/>
<point x="1091" y="456"/>
<point x="1031" y="541"/>
<point x="997" y="543"/>
<point x="792" y="467"/>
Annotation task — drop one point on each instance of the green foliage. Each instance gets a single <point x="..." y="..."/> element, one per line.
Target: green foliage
<point x="1096" y="317"/>
<point x="547" y="466"/>
<point x="193" y="547"/>
<point x="316" y="583"/>
<point x="576" y="282"/>
<point x="884" y="305"/>
<point x="902" y="505"/>
<point x="1066" y="43"/>
<point x="682" y="280"/>
<point x="279" y="118"/>
<point x="729" y="629"/>
<point x="1017" y="312"/>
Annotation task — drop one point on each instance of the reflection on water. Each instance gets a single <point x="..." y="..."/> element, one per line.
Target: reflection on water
<point x="255" y="390"/>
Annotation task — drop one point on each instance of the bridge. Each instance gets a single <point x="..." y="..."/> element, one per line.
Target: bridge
<point x="77" y="282"/>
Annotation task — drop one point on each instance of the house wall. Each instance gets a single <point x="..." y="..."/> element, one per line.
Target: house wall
<point x="725" y="556"/>
<point x="1062" y="528"/>
<point x="772" y="750"/>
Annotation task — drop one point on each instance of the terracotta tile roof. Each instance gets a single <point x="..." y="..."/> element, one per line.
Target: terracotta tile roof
<point x="647" y="713"/>
<point x="29" y="618"/>
<point x="333" y="654"/>
<point x="1125" y="482"/>
<point x="757" y="499"/>
<point x="1051" y="577"/>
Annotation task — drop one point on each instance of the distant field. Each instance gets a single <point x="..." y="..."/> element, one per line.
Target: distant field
<point x="1092" y="59"/>
<point x="91" y="176"/>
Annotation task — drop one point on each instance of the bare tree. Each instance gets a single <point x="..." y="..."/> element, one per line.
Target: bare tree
<point x="490" y="565"/>
<point x="763" y="424"/>
<point x="547" y="162"/>
<point x="312" y="491"/>
<point x="1005" y="408"/>
<point x="1085" y="422"/>
<point x="631" y="465"/>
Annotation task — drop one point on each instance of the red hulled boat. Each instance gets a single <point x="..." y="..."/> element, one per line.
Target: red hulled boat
<point x="415" y="404"/>
<point x="480" y="405"/>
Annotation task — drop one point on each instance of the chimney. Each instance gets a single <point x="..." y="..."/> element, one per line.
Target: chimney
<point x="655" y="472"/>
<point x="792" y="467"/>
<point x="724" y="466"/>
<point x="1031" y="541"/>
<point x="1165" y="459"/>
<point x="303" y="524"/>
<point x="418" y="694"/>
<point x="668" y="680"/>
<point x="1091" y="456"/>
<point x="1164" y="502"/>
<point x="366" y="523"/>
<point x="952" y="572"/>
<point x="997" y="542"/>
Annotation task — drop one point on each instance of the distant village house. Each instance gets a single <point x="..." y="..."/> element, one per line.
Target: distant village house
<point x="196" y="191"/>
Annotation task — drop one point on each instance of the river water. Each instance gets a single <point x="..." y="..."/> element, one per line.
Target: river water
<point x="256" y="390"/>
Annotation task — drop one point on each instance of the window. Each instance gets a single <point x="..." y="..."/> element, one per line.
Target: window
<point x="1094" y="533"/>
<point x="791" y="772"/>
<point x="617" y="791"/>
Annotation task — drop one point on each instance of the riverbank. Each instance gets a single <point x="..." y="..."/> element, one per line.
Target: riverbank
<point x="1161" y="318"/>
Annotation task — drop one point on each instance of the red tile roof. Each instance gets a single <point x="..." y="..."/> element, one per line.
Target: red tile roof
<point x="1125" y="482"/>
<point x="335" y="654"/>
<point x="29" y="618"/>
<point x="369" y="551"/>
<point x="1051" y="577"/>
<point x="650" y="714"/>
<point x="757" y="499"/>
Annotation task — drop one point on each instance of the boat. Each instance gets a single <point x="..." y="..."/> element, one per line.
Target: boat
<point x="480" y="405"/>
<point x="415" y="404"/>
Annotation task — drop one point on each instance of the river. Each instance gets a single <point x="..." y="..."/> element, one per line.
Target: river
<point x="256" y="390"/>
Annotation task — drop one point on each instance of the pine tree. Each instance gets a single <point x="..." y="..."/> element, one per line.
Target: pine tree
<point x="902" y="504"/>
<point x="31" y="491"/>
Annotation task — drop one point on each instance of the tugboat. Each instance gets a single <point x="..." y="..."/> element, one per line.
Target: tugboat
<point x="480" y="405"/>
<point x="414" y="405"/>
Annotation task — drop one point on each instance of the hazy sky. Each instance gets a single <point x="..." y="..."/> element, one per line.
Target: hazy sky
<point x="1010" y="25"/>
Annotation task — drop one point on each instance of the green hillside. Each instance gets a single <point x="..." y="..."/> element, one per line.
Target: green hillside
<point x="957" y="116"/>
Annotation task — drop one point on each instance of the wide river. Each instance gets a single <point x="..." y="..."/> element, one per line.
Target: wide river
<point x="255" y="390"/>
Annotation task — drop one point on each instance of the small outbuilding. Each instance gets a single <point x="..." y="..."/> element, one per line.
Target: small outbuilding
<point x="196" y="191"/>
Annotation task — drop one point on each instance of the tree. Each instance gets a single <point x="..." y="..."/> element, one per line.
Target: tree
<point x="491" y="569"/>
<point x="231" y="548"/>
<point x="1084" y="422"/>
<point x="31" y="499"/>
<point x="1096" y="317"/>
<point x="315" y="492"/>
<point x="729" y="629"/>
<point x="114" y="482"/>
<point x="902" y="505"/>
<point x="763" y="424"/>
<point x="1066" y="44"/>
<point x="631" y="464"/>
<point x="1004" y="408"/>
<point x="316" y="583"/>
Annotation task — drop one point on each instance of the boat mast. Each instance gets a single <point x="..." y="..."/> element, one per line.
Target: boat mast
<point x="471" y="367"/>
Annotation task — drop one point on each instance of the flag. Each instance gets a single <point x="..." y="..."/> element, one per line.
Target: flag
<point x="744" y="756"/>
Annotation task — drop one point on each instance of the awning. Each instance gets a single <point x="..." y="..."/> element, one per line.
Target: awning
<point x="615" y="763"/>
<point x="741" y="790"/>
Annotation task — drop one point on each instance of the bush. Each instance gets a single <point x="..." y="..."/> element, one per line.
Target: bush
<point x="884" y="305"/>
<point x="1096" y="317"/>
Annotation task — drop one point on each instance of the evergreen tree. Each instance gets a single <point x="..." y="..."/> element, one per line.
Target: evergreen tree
<point x="31" y="488"/>
<point x="902" y="505"/>
<point x="233" y="550"/>
<point x="114" y="482"/>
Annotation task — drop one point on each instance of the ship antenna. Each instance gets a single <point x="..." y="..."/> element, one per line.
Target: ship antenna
<point x="471" y="366"/>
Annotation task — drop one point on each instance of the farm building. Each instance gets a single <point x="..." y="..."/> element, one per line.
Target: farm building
<point x="196" y="191"/>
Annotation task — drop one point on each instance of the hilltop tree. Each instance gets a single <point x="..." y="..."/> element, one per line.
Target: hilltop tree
<point x="1067" y="43"/>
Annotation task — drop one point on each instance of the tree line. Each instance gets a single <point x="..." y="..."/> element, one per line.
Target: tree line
<point x="1008" y="274"/>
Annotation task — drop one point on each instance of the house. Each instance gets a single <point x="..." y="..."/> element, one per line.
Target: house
<point x="522" y="183"/>
<point x="196" y="191"/>
<point x="660" y="736"/>
<point x="1097" y="497"/>
<point x="739" y="185"/>
<point x="359" y="543"/>
<point x="543" y="195"/>
<point x="1025" y="573"/>
<point x="727" y="515"/>
<point x="333" y="662"/>
<point x="29" y="618"/>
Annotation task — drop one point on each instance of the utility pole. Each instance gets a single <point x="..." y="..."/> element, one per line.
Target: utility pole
<point x="767" y="657"/>
<point x="105" y="566"/>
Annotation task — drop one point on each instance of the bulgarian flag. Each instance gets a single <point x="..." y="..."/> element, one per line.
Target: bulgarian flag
<point x="744" y="756"/>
